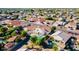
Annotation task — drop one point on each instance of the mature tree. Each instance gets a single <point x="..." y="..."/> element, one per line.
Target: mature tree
<point x="33" y="38"/>
<point x="23" y="33"/>
<point x="16" y="16"/>
<point x="18" y="39"/>
<point x="39" y="40"/>
<point x="19" y="28"/>
<point x="0" y="11"/>
<point x="13" y="33"/>
<point x="52" y="38"/>
<point x="49" y="18"/>
<point x="24" y="19"/>
<point x="3" y="29"/>
<point x="55" y="47"/>
<point x="46" y="37"/>
<point x="1" y="26"/>
<point x="53" y="28"/>
<point x="10" y="31"/>
<point x="7" y="36"/>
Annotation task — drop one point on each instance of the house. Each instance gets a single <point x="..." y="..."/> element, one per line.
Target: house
<point x="55" y="23"/>
<point x="38" y="31"/>
<point x="6" y="21"/>
<point x="32" y="19"/>
<point x="49" y="23"/>
<point x="71" y="25"/>
<point x="71" y="44"/>
<point x="76" y="32"/>
<point x="36" y="19"/>
<point x="38" y="23"/>
<point x="65" y="36"/>
<point x="30" y="28"/>
<point x="12" y="39"/>
<point x="56" y="37"/>
<point x="41" y="19"/>
<point x="46" y="28"/>
<point x="41" y="29"/>
<point x="61" y="38"/>
<point x="8" y="45"/>
<point x="56" y="33"/>
<point x="13" y="22"/>
<point x="16" y="23"/>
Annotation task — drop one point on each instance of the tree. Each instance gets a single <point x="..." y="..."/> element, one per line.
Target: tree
<point x="49" y="18"/>
<point x="39" y="40"/>
<point x="7" y="36"/>
<point x="46" y="37"/>
<point x="55" y="47"/>
<point x="32" y="10"/>
<point x="13" y="33"/>
<point x="0" y="11"/>
<point x="33" y="38"/>
<point x="18" y="39"/>
<point x="1" y="26"/>
<point x="10" y="26"/>
<point x="15" y="16"/>
<point x="11" y="30"/>
<point x="1" y="45"/>
<point x="53" y="28"/>
<point x="3" y="29"/>
<point x="19" y="28"/>
<point x="52" y="38"/>
<point x="24" y="19"/>
<point x="23" y="33"/>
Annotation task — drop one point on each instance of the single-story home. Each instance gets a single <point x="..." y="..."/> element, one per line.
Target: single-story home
<point x="61" y="38"/>
<point x="9" y="45"/>
<point x="12" y="39"/>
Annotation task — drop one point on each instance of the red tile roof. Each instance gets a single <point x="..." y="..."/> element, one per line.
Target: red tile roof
<point x="31" y="28"/>
<point x="16" y="22"/>
<point x="37" y="19"/>
<point x="43" y="27"/>
<point x="33" y="19"/>
<point x="12" y="39"/>
<point x="9" y="45"/>
<point x="41" y="19"/>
